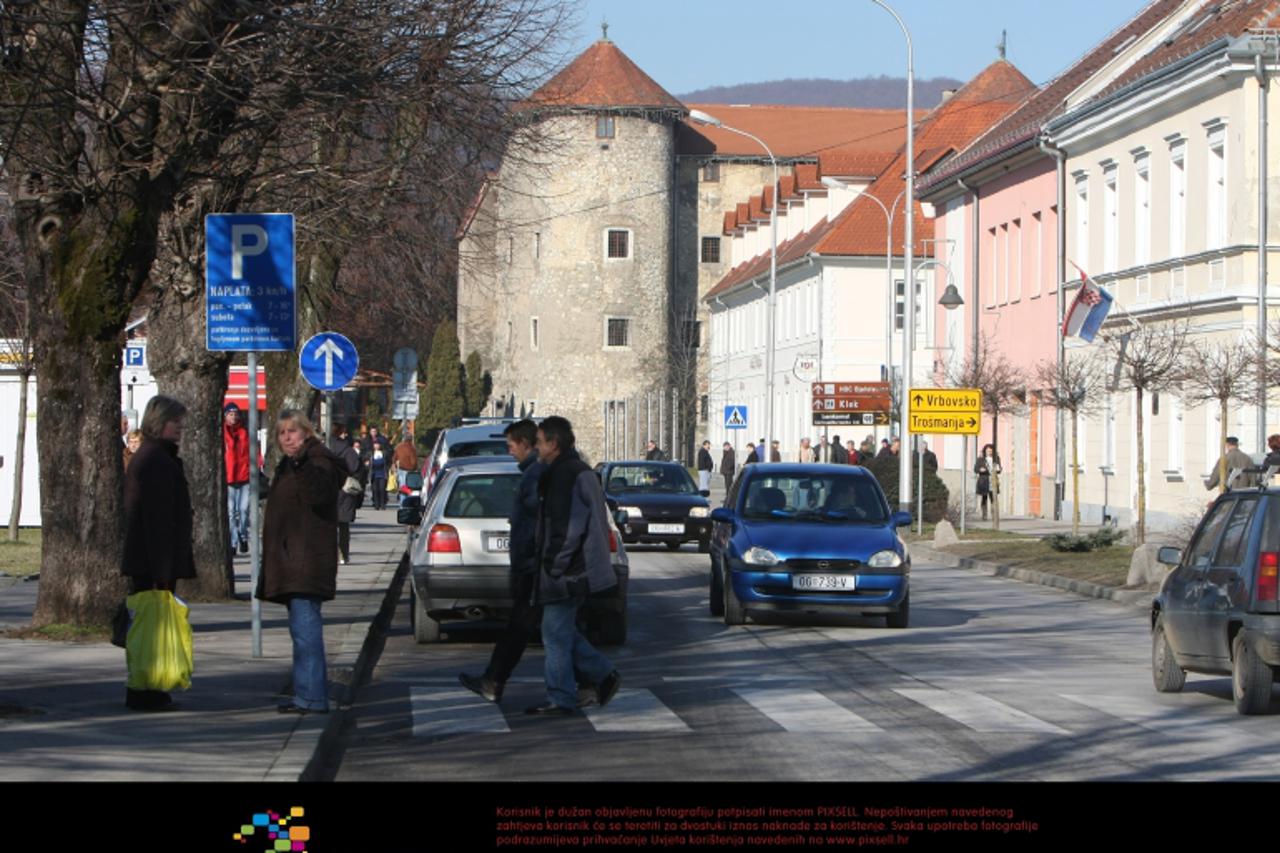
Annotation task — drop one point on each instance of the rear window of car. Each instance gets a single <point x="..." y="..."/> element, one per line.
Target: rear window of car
<point x="482" y="496"/>
<point x="833" y="498"/>
<point x="671" y="479"/>
<point x="487" y="447"/>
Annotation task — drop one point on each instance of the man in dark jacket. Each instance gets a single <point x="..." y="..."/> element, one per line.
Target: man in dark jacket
<point x="573" y="558"/>
<point x="525" y="613"/>
<point x="839" y="455"/>
<point x="654" y="453"/>
<point x="706" y="466"/>
<point x="728" y="465"/>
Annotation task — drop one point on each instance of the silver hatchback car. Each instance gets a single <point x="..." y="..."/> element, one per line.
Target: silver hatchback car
<point x="459" y="555"/>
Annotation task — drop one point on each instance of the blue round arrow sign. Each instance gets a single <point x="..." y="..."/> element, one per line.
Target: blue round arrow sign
<point x="328" y="361"/>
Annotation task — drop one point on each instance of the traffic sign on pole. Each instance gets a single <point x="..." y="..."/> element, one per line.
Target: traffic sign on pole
<point x="328" y="361"/>
<point x="947" y="411"/>
<point x="249" y="282"/>
<point x="735" y="417"/>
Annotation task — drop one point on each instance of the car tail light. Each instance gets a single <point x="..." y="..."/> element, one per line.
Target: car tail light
<point x="613" y="542"/>
<point x="1268" y="567"/>
<point x="443" y="539"/>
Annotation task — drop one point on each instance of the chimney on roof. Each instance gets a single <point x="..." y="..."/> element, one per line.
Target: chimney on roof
<point x="948" y="94"/>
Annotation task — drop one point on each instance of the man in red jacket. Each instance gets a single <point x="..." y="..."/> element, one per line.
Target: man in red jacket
<point x="235" y="454"/>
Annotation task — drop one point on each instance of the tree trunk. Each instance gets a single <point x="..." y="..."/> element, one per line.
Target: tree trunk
<point x="188" y="372"/>
<point x="1222" y="443"/>
<point x="1140" y="535"/>
<point x="1075" y="473"/>
<point x="20" y="453"/>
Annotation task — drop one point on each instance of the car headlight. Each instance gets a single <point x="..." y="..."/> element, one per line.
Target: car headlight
<point x="632" y="511"/>
<point x="760" y="557"/>
<point x="699" y="512"/>
<point x="884" y="560"/>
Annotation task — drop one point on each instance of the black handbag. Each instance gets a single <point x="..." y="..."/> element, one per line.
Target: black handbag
<point x="120" y="626"/>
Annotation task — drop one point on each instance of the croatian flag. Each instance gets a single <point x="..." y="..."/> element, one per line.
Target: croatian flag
<point x="1088" y="310"/>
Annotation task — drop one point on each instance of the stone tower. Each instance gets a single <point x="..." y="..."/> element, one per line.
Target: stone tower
<point x="565" y="275"/>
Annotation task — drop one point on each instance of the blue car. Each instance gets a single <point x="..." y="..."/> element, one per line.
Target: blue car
<point x="809" y="539"/>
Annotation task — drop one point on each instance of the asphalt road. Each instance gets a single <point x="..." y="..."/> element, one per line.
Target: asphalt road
<point x="995" y="680"/>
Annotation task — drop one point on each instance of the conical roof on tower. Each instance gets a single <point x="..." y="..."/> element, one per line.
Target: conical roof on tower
<point x="603" y="78"/>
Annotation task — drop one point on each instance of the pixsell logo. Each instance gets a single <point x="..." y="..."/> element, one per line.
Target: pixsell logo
<point x="272" y="833"/>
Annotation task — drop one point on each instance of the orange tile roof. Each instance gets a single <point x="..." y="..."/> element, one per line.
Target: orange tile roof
<point x="793" y="132"/>
<point x="744" y="214"/>
<point x="787" y="187"/>
<point x="854" y="164"/>
<point x="808" y="177"/>
<point x="792" y="250"/>
<point x="984" y="100"/>
<point x="757" y="208"/>
<point x="603" y="77"/>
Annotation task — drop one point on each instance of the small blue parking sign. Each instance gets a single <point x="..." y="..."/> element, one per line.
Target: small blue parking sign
<point x="249" y="282"/>
<point x="135" y="355"/>
<point x="328" y="361"/>
<point x="735" y="417"/>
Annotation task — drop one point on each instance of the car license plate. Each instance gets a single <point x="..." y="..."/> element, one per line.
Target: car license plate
<point x="666" y="528"/>
<point x="499" y="543"/>
<point x="835" y="583"/>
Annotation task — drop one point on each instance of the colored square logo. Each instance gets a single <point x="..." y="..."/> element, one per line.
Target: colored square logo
<point x="300" y="845"/>
<point x="300" y="833"/>
<point x="297" y="811"/>
<point x="260" y="820"/>
<point x="284" y="844"/>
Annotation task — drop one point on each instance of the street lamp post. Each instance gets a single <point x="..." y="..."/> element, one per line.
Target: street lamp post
<point x="909" y="322"/>
<point x="703" y="118"/>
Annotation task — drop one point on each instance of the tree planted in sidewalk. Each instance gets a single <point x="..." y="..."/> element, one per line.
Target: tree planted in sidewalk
<point x="477" y="383"/>
<point x="1076" y="386"/>
<point x="444" y="399"/>
<point x="1221" y="372"/>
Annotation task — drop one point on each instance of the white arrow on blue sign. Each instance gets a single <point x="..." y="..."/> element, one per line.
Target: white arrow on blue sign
<point x="328" y="361"/>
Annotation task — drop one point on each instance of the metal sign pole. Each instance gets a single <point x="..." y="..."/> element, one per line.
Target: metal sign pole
<point x="255" y="553"/>
<point x="964" y="483"/>
<point x="920" y="481"/>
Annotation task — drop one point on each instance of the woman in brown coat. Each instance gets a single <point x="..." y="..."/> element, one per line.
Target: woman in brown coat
<point x="300" y="564"/>
<point x="157" y="507"/>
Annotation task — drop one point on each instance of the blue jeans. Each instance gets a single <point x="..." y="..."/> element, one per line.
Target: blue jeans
<point x="310" y="683"/>
<point x="238" y="513"/>
<point x="566" y="650"/>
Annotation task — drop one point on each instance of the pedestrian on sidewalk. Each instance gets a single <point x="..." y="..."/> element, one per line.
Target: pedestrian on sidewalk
<point x="573" y="556"/>
<point x="235" y="456"/>
<point x="299" y="565"/>
<point x="1236" y="459"/>
<point x="157" y="508"/>
<point x="806" y="452"/>
<point x="654" y="453"/>
<point x="988" y="463"/>
<point x="706" y="466"/>
<point x="348" y="501"/>
<point x="728" y="465"/>
<point x="751" y="454"/>
<point x="132" y="442"/>
<point x="838" y="454"/>
<point x="851" y="454"/>
<point x="379" y="465"/>
<point x="406" y="458"/>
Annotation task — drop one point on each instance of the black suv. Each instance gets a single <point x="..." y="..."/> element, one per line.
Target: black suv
<point x="1218" y="611"/>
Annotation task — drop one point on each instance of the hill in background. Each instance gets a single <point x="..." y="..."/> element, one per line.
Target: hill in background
<point x="868" y="92"/>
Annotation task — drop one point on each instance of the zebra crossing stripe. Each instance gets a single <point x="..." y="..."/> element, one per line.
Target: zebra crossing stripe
<point x="447" y="711"/>
<point x="635" y="711"/>
<point x="804" y="711"/>
<point x="980" y="713"/>
<point x="1150" y="714"/>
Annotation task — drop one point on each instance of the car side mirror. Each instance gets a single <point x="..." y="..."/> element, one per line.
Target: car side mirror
<point x="413" y="481"/>
<point x="722" y="515"/>
<point x="1169" y="556"/>
<point x="620" y="518"/>
<point x="409" y="515"/>
<point x="706" y="493"/>
<point x="901" y="519"/>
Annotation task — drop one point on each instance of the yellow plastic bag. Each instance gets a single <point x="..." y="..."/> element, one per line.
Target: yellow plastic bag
<point x="158" y="649"/>
<point x="393" y="484"/>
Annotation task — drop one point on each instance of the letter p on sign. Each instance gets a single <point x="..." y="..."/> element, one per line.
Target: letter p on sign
<point x="243" y="247"/>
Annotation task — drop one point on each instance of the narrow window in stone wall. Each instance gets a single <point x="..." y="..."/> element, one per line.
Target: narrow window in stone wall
<point x="618" y="244"/>
<point x="604" y="127"/>
<point x="537" y="244"/>
<point x="533" y="333"/>
<point x="711" y="250"/>
<point x="617" y="333"/>
<point x="711" y="173"/>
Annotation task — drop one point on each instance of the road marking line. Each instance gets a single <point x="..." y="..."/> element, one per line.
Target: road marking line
<point x="453" y="711"/>
<point x="978" y="712"/>
<point x="1150" y="714"/>
<point x="804" y="711"/>
<point x="753" y="679"/>
<point x="635" y="711"/>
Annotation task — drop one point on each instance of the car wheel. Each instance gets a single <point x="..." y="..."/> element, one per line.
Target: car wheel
<point x="734" y="614"/>
<point x="613" y="629"/>
<point x="715" y="596"/>
<point x="1250" y="678"/>
<point x="704" y="546"/>
<point x="674" y="546"/>
<point x="1165" y="672"/>
<point x="425" y="629"/>
<point x="902" y="616"/>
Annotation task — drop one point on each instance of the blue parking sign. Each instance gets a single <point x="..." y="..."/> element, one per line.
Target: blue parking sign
<point x="249" y="282"/>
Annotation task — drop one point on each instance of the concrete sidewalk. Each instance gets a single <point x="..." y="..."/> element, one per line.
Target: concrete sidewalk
<point x="62" y="713"/>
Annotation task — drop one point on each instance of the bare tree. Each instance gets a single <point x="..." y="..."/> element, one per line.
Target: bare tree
<point x="1003" y="387"/>
<point x="1147" y="358"/>
<point x="1223" y="372"/>
<point x="17" y="353"/>
<point x="1076" y="387"/>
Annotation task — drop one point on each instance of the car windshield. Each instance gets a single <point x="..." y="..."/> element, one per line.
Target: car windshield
<point x="487" y="447"/>
<point x="482" y="496"/>
<point x="671" y="479"/>
<point x="836" y="499"/>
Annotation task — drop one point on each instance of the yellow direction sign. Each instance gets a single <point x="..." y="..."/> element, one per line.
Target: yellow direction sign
<point x="954" y="411"/>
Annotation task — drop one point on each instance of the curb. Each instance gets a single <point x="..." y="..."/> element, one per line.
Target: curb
<point x="1135" y="598"/>
<point x="303" y="757"/>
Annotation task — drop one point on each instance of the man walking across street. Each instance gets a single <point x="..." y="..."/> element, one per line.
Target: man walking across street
<point x="573" y="560"/>
<point x="706" y="467"/>
<point x="235" y="456"/>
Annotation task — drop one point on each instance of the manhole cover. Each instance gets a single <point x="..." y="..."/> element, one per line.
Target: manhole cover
<point x="10" y="710"/>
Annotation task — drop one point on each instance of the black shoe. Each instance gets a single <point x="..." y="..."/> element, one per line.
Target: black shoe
<point x="550" y="709"/>
<point x="299" y="710"/>
<point x="483" y="686"/>
<point x="586" y="696"/>
<point x="244" y="547"/>
<point x="149" y="700"/>
<point x="607" y="688"/>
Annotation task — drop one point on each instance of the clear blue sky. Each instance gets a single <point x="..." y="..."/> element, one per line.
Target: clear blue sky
<point x="691" y="44"/>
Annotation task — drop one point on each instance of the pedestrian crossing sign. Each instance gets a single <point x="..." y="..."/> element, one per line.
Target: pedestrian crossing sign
<point x="735" y="417"/>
